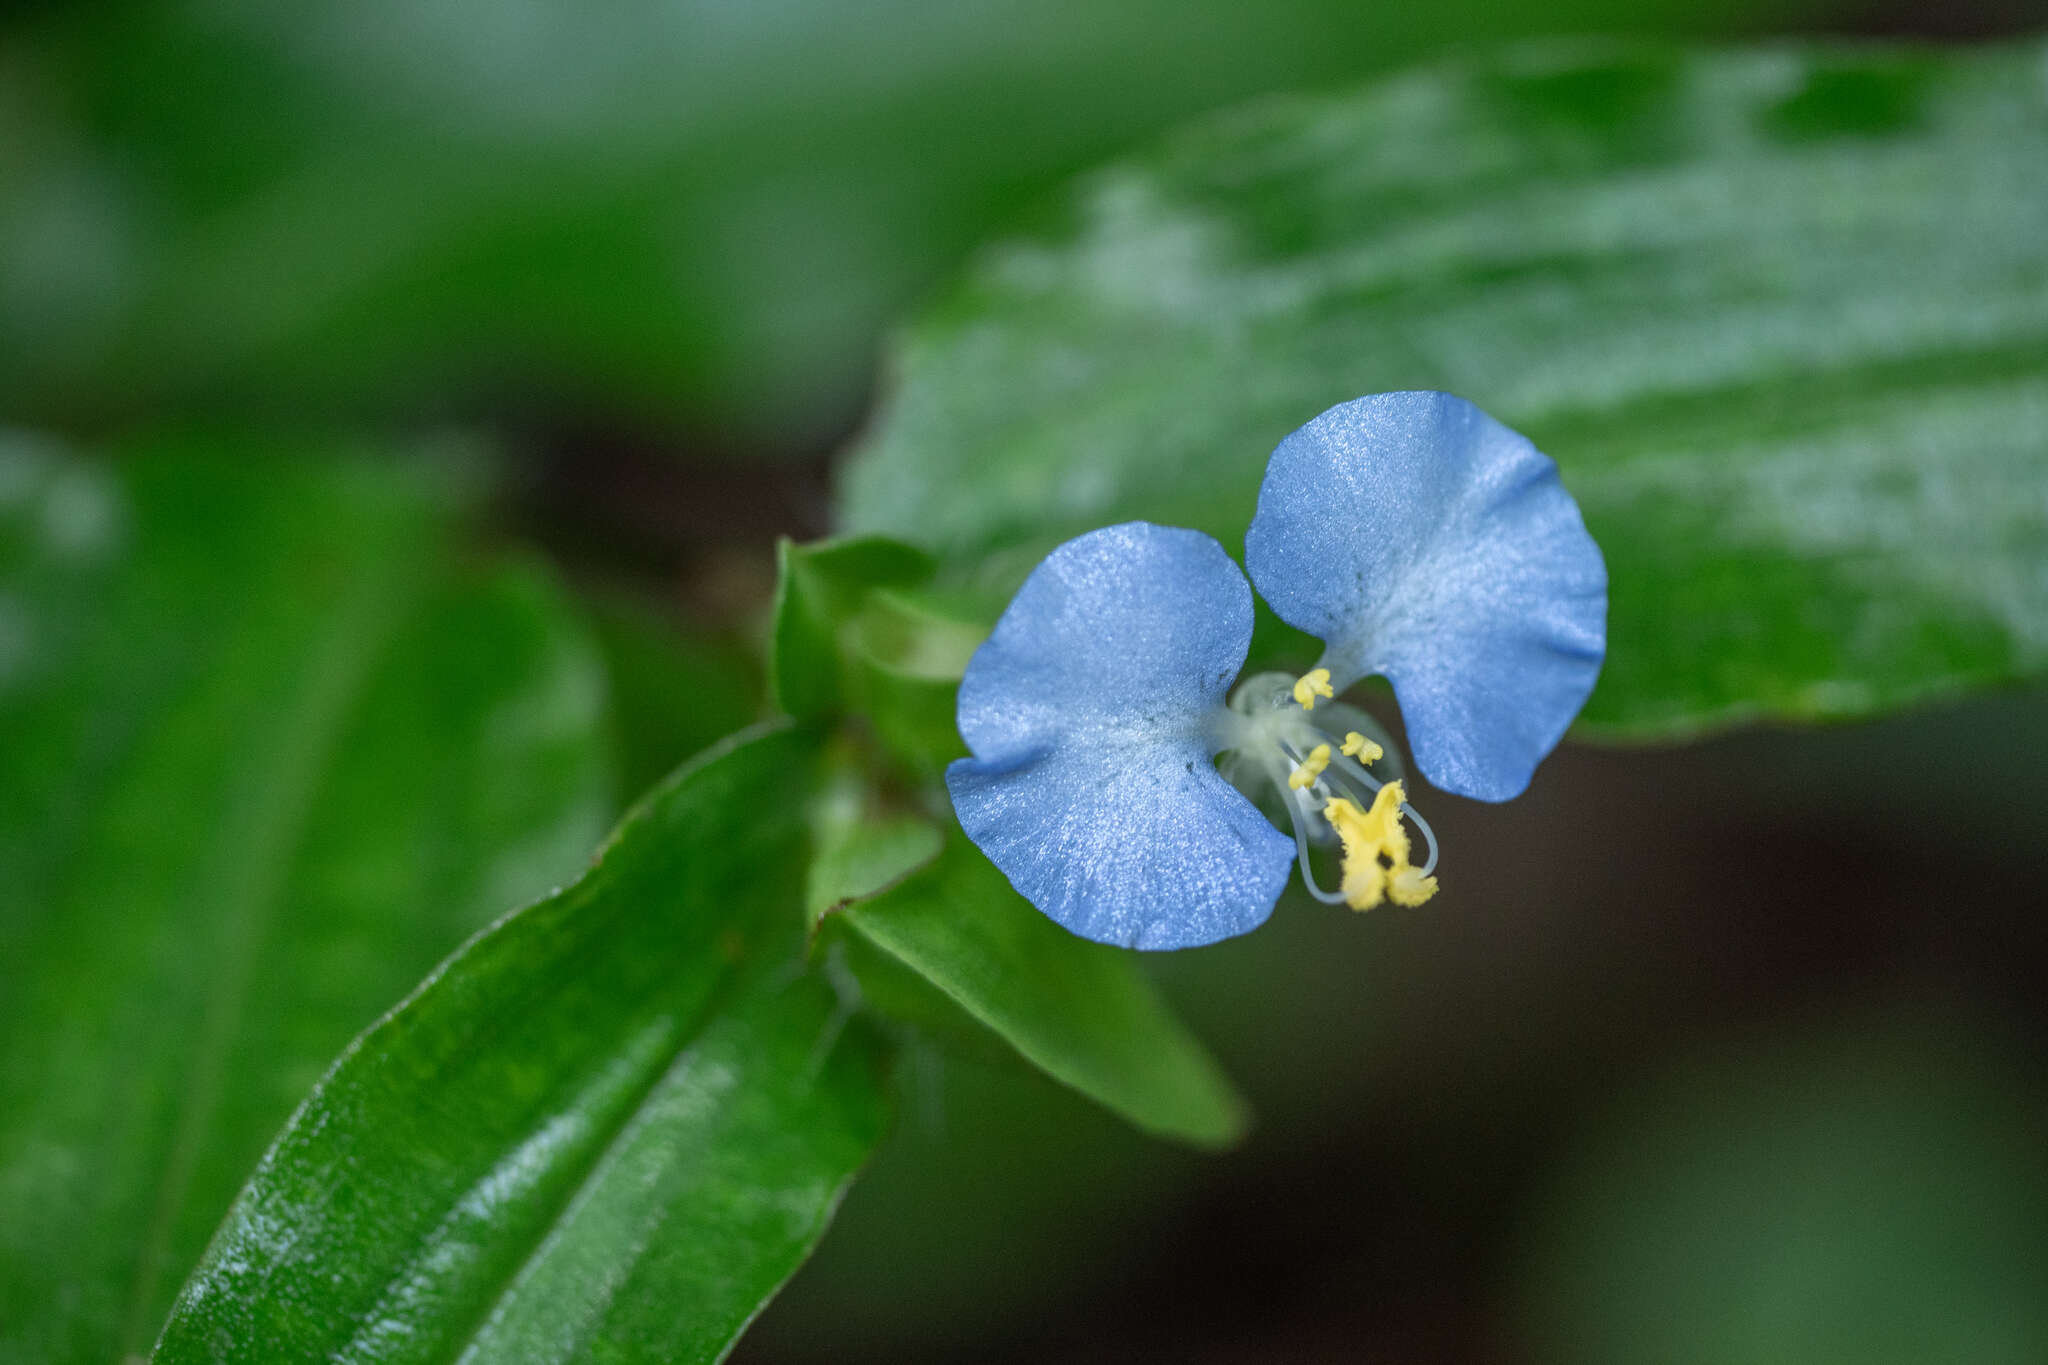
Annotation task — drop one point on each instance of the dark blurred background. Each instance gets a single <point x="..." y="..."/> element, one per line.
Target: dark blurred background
<point x="1724" y="1054"/>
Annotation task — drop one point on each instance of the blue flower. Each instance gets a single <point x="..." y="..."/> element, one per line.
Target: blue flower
<point x="1091" y="715"/>
<point x="1420" y="540"/>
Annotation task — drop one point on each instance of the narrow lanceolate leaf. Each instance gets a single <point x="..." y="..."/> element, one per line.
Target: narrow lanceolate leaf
<point x="269" y="748"/>
<point x="1083" y="1013"/>
<point x="1781" y="317"/>
<point x="607" y="1129"/>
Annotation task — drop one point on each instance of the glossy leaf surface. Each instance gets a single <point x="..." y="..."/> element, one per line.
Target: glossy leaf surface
<point x="1780" y="316"/>
<point x="608" y="1128"/>
<point x="269" y="748"/>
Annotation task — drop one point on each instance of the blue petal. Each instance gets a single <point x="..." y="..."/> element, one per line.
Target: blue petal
<point x="1089" y="714"/>
<point x="1422" y="540"/>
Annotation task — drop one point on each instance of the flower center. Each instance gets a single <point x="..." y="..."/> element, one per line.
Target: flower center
<point x="1317" y="767"/>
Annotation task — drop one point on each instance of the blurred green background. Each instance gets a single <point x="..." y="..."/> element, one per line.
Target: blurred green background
<point x="1735" y="1053"/>
<point x="694" y="216"/>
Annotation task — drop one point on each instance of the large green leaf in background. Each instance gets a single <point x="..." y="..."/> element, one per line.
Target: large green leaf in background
<point x="1781" y="317"/>
<point x="666" y="205"/>
<point x="268" y="750"/>
<point x="607" y="1129"/>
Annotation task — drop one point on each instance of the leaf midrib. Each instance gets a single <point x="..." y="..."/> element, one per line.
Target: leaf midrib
<point x="599" y="1161"/>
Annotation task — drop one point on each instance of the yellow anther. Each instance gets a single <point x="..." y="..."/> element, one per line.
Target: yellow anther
<point x="1409" y="887"/>
<point x="1376" y="852"/>
<point x="1309" y="769"/>
<point x="1312" y="684"/>
<point x="1363" y="749"/>
<point x="1364" y="879"/>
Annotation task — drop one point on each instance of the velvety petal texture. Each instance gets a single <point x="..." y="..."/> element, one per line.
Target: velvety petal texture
<point x="1088" y="712"/>
<point x="1424" y="541"/>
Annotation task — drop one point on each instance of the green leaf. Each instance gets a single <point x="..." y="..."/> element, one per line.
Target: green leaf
<point x="850" y="632"/>
<point x="1781" y="317"/>
<point x="269" y="748"/>
<point x="819" y="589"/>
<point x="1082" y="1012"/>
<point x="904" y="659"/>
<point x="608" y="1128"/>
<point x="856" y="859"/>
<point x="860" y="856"/>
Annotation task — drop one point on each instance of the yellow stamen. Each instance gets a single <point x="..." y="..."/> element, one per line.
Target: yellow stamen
<point x="1364" y="878"/>
<point x="1409" y="887"/>
<point x="1312" y="684"/>
<point x="1364" y="750"/>
<point x="1376" y="852"/>
<point x="1309" y="769"/>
